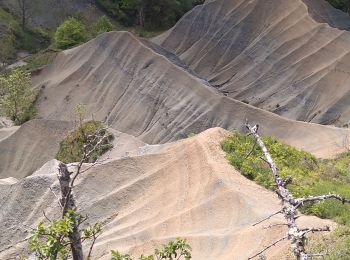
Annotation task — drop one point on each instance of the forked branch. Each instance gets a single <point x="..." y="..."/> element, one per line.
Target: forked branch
<point x="295" y="235"/>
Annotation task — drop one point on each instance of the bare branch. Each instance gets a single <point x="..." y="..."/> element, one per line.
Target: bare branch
<point x="313" y="230"/>
<point x="302" y="201"/>
<point x="46" y="216"/>
<point x="267" y="218"/>
<point x="251" y="150"/>
<point x="290" y="205"/>
<point x="268" y="247"/>
<point x="276" y="225"/>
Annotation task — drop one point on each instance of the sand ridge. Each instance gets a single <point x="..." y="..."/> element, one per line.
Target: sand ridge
<point x="186" y="189"/>
<point x="137" y="90"/>
<point x="282" y="56"/>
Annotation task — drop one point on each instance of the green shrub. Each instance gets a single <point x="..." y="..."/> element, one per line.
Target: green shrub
<point x="178" y="249"/>
<point x="103" y="25"/>
<point x="310" y="176"/>
<point x="16" y="97"/>
<point x="71" y="149"/>
<point x="70" y="33"/>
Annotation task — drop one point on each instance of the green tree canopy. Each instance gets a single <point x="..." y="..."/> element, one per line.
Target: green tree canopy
<point x="70" y="33"/>
<point x="148" y="13"/>
<point x="103" y="24"/>
<point x="16" y="97"/>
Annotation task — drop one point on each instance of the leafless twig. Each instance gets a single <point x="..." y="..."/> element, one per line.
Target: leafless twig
<point x="268" y="247"/>
<point x="290" y="205"/>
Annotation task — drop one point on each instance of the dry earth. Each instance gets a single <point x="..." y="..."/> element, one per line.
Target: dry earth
<point x="282" y="55"/>
<point x="138" y="91"/>
<point x="185" y="81"/>
<point x="185" y="189"/>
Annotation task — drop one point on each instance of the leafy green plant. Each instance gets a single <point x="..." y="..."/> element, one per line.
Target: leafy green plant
<point x="70" y="33"/>
<point x="177" y="249"/>
<point x="103" y="25"/>
<point x="310" y="176"/>
<point x="71" y="149"/>
<point x="52" y="241"/>
<point x="16" y="97"/>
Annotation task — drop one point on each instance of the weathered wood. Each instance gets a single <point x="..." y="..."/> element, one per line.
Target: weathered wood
<point x="67" y="203"/>
<point x="295" y="235"/>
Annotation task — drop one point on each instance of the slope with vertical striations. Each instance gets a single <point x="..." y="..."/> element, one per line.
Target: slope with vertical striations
<point x="278" y="55"/>
<point x="136" y="90"/>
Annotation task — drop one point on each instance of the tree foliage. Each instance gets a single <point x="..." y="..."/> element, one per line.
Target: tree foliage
<point x="343" y="5"/>
<point x="16" y="97"/>
<point x="178" y="249"/>
<point x="70" y="33"/>
<point x="7" y="48"/>
<point x="148" y="13"/>
<point x="103" y="24"/>
<point x="72" y="147"/>
<point x="52" y="241"/>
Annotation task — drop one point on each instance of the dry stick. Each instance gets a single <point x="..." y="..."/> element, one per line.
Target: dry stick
<point x="291" y="204"/>
<point x="67" y="201"/>
<point x="268" y="247"/>
<point x="267" y="218"/>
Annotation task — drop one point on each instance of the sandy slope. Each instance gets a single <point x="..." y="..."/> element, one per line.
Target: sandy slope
<point x="184" y="189"/>
<point x="30" y="146"/>
<point x="136" y="90"/>
<point x="277" y="55"/>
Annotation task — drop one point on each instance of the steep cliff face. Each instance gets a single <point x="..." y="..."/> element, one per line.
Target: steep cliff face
<point x="279" y="55"/>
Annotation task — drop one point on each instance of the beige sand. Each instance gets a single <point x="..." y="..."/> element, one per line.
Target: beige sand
<point x="278" y="55"/>
<point x="30" y="146"/>
<point x="185" y="189"/>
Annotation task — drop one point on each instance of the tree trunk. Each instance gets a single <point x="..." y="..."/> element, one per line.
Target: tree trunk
<point x="67" y="203"/>
<point x="141" y="16"/>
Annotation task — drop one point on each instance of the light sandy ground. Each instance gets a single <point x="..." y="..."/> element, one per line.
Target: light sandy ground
<point x="138" y="91"/>
<point x="23" y="150"/>
<point x="185" y="189"/>
<point x="149" y="191"/>
<point x="278" y="55"/>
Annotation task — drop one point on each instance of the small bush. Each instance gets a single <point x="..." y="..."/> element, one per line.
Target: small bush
<point x="70" y="33"/>
<point x="178" y="249"/>
<point x="310" y="176"/>
<point x="16" y="97"/>
<point x="103" y="25"/>
<point x="71" y="149"/>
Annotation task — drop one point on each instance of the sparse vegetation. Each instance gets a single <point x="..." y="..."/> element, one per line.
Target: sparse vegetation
<point x="178" y="249"/>
<point x="310" y="177"/>
<point x="16" y="97"/>
<point x="340" y="241"/>
<point x="72" y="147"/>
<point x="39" y="59"/>
<point x="147" y="13"/>
<point x="343" y="5"/>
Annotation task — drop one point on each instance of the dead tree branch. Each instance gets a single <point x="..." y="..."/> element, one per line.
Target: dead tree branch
<point x="66" y="180"/>
<point x="268" y="247"/>
<point x="267" y="218"/>
<point x="295" y="235"/>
